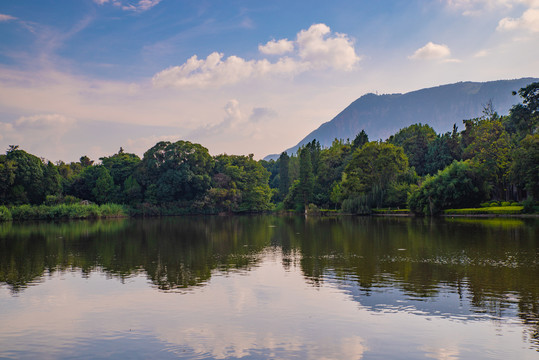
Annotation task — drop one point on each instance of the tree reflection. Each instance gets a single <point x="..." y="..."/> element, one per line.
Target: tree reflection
<point x="452" y="267"/>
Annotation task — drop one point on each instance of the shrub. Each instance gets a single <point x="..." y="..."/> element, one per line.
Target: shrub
<point x="5" y="214"/>
<point x="506" y="203"/>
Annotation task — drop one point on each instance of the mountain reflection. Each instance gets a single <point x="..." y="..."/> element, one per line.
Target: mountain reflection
<point x="464" y="268"/>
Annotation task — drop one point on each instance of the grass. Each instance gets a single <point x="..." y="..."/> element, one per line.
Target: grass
<point x="493" y="210"/>
<point x="391" y="211"/>
<point x="66" y="211"/>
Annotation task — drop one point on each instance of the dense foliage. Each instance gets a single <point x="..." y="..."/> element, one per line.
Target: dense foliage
<point x="494" y="157"/>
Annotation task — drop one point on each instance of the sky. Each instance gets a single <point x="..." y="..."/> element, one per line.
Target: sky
<point x="87" y="77"/>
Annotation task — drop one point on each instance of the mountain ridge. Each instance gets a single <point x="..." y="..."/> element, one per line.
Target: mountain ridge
<point x="440" y="107"/>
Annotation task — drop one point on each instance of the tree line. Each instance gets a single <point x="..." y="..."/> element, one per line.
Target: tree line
<point x="494" y="157"/>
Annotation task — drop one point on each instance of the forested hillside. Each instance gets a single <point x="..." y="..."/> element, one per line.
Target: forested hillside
<point x="440" y="107"/>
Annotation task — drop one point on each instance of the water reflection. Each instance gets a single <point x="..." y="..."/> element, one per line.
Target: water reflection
<point x="461" y="269"/>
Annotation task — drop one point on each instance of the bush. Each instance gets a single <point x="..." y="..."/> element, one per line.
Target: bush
<point x="505" y="203"/>
<point x="5" y="214"/>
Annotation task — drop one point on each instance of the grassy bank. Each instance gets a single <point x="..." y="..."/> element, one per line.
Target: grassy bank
<point x="493" y="210"/>
<point x="62" y="211"/>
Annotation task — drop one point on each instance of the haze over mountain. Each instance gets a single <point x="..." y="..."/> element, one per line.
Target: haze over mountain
<point x="440" y="107"/>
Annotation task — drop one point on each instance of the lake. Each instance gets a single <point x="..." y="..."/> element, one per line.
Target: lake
<point x="270" y="287"/>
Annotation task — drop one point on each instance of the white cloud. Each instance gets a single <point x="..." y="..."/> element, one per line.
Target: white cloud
<point x="141" y="5"/>
<point x="4" y="17"/>
<point x="279" y="47"/>
<point x="528" y="21"/>
<point x="324" y="51"/>
<point x="317" y="49"/>
<point x="56" y="122"/>
<point x="431" y="51"/>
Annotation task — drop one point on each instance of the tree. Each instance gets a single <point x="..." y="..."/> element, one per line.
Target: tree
<point x="306" y="177"/>
<point x="441" y="152"/>
<point x="415" y="140"/>
<point x="240" y="184"/>
<point x="374" y="165"/>
<point x="104" y="190"/>
<point x="332" y="163"/>
<point x="489" y="148"/>
<point x="525" y="166"/>
<point x="27" y="186"/>
<point x="85" y="161"/>
<point x="179" y="171"/>
<point x="121" y="165"/>
<point x="458" y="185"/>
<point x="523" y="118"/>
<point x="7" y="178"/>
<point x="284" y="176"/>
<point x="361" y="139"/>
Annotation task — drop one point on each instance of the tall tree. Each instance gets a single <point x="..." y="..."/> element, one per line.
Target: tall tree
<point x="374" y="165"/>
<point x="179" y="171"/>
<point x="306" y="177"/>
<point x="415" y="140"/>
<point x="525" y="165"/>
<point x="284" y="175"/>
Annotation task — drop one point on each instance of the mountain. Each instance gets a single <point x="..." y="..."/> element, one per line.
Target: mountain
<point x="440" y="107"/>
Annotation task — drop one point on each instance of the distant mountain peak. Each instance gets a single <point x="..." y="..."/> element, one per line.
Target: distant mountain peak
<point x="440" y="107"/>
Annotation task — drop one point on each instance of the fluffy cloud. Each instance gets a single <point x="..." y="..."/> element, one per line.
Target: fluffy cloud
<point x="323" y="51"/>
<point x="141" y="5"/>
<point x="279" y="47"/>
<point x="4" y="17"/>
<point x="431" y="51"/>
<point x="528" y="21"/>
<point x="317" y="48"/>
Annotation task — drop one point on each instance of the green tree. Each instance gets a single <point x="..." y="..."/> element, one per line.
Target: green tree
<point x="332" y="163"/>
<point x="489" y="148"/>
<point x="240" y="184"/>
<point x="284" y="176"/>
<point x="306" y="177"/>
<point x="7" y="178"/>
<point x="361" y="139"/>
<point x="458" y="185"/>
<point x="374" y="165"/>
<point x="28" y="183"/>
<point x="179" y="171"/>
<point x="104" y="190"/>
<point x="415" y="140"/>
<point x="525" y="165"/>
<point x="442" y="151"/>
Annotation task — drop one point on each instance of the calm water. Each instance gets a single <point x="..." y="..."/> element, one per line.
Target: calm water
<point x="269" y="287"/>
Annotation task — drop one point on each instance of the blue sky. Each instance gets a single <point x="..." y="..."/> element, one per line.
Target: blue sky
<point x="239" y="77"/>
